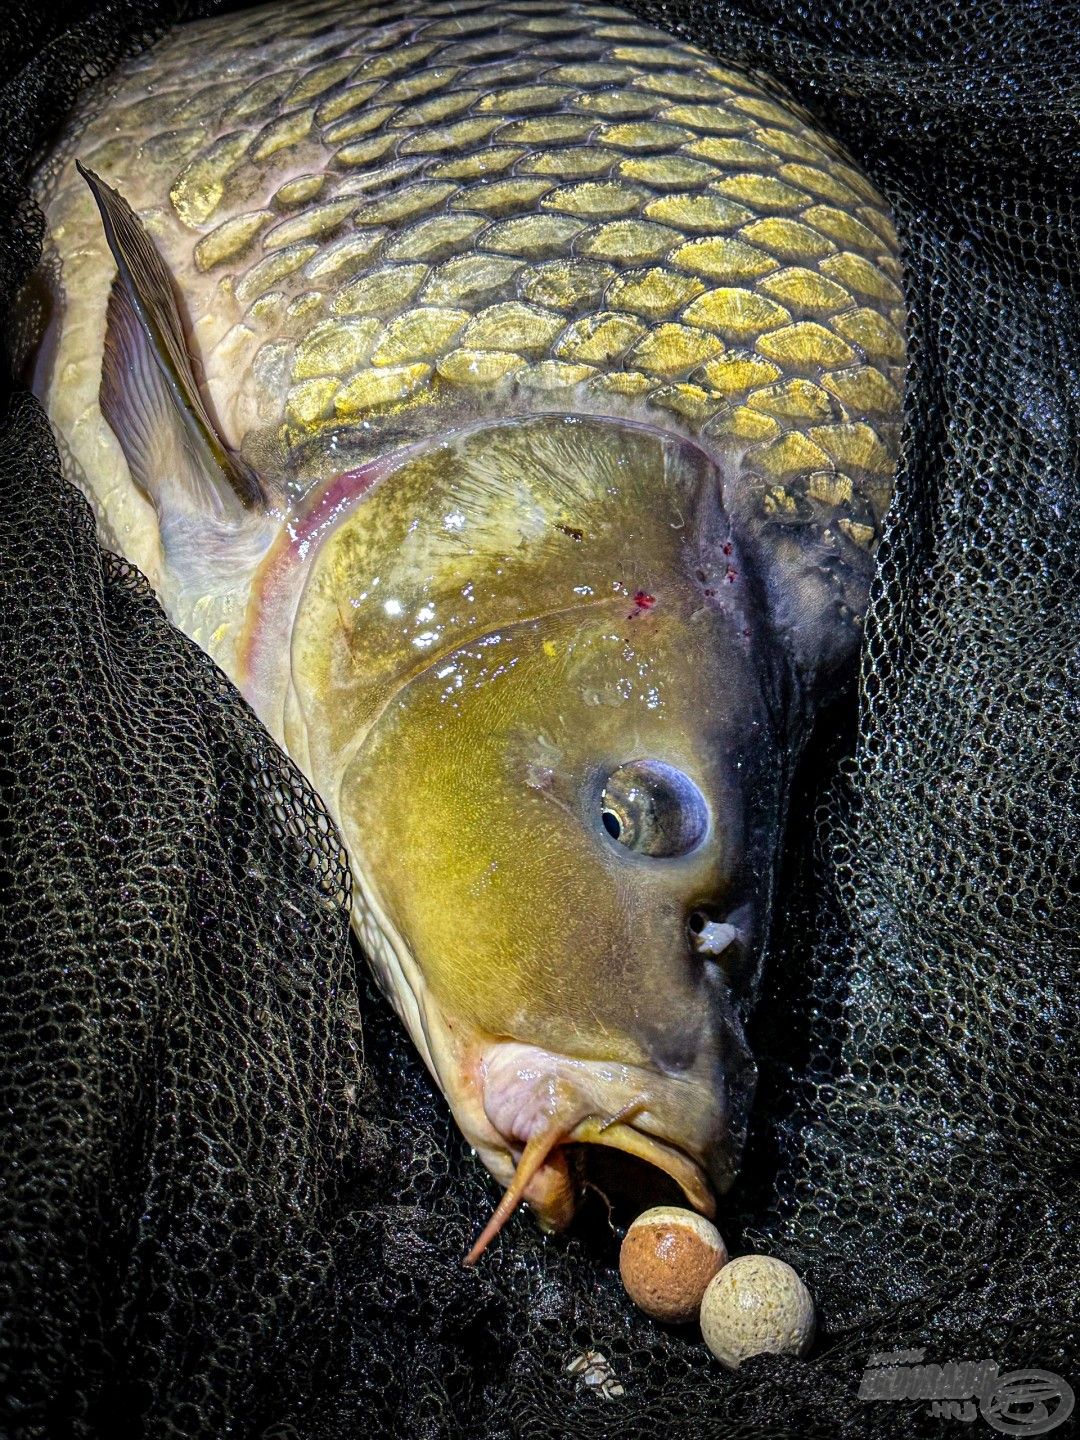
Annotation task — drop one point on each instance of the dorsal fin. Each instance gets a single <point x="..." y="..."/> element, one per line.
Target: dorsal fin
<point x="143" y="314"/>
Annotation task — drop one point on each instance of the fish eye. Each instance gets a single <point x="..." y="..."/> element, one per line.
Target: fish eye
<point x="653" y="809"/>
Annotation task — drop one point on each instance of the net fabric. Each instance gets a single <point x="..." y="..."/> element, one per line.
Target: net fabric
<point x="232" y="1203"/>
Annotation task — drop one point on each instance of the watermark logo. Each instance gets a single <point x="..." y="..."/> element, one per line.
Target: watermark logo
<point x="1020" y="1402"/>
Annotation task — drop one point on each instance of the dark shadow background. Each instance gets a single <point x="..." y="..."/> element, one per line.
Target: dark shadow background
<point x="230" y="1201"/>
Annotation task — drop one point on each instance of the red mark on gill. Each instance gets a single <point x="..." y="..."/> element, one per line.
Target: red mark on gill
<point x="642" y="601"/>
<point x="730" y="575"/>
<point x="727" y="548"/>
<point x="276" y="587"/>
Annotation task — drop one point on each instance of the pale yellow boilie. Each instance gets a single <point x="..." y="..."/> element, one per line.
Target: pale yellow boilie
<point x="756" y="1305"/>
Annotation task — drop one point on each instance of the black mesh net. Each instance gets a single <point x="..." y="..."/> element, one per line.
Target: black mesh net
<point x="232" y="1202"/>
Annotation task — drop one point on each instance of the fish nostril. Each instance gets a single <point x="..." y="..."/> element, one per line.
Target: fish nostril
<point x="706" y="934"/>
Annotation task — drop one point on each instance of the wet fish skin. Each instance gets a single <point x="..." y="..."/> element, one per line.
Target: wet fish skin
<point x="576" y="284"/>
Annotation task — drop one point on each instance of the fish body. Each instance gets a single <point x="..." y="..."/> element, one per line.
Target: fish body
<point x="507" y="398"/>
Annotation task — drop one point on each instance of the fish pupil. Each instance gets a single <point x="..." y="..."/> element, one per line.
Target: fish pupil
<point x="612" y="824"/>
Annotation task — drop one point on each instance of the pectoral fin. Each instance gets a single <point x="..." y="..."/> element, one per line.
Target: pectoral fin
<point x="150" y="394"/>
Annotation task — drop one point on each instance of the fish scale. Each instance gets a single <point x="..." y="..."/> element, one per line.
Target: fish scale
<point x="595" y="215"/>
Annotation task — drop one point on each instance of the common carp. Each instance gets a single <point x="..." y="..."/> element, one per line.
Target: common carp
<point x="507" y="398"/>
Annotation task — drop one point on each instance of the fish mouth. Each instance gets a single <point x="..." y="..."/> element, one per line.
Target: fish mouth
<point x="537" y="1103"/>
<point x="665" y="1155"/>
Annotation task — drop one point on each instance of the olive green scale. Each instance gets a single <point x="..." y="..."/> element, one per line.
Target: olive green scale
<point x="514" y="207"/>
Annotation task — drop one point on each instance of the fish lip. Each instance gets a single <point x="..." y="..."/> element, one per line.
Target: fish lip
<point x="556" y="1086"/>
<point x="665" y="1154"/>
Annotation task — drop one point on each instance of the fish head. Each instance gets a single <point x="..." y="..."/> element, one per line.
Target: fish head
<point x="536" y="686"/>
